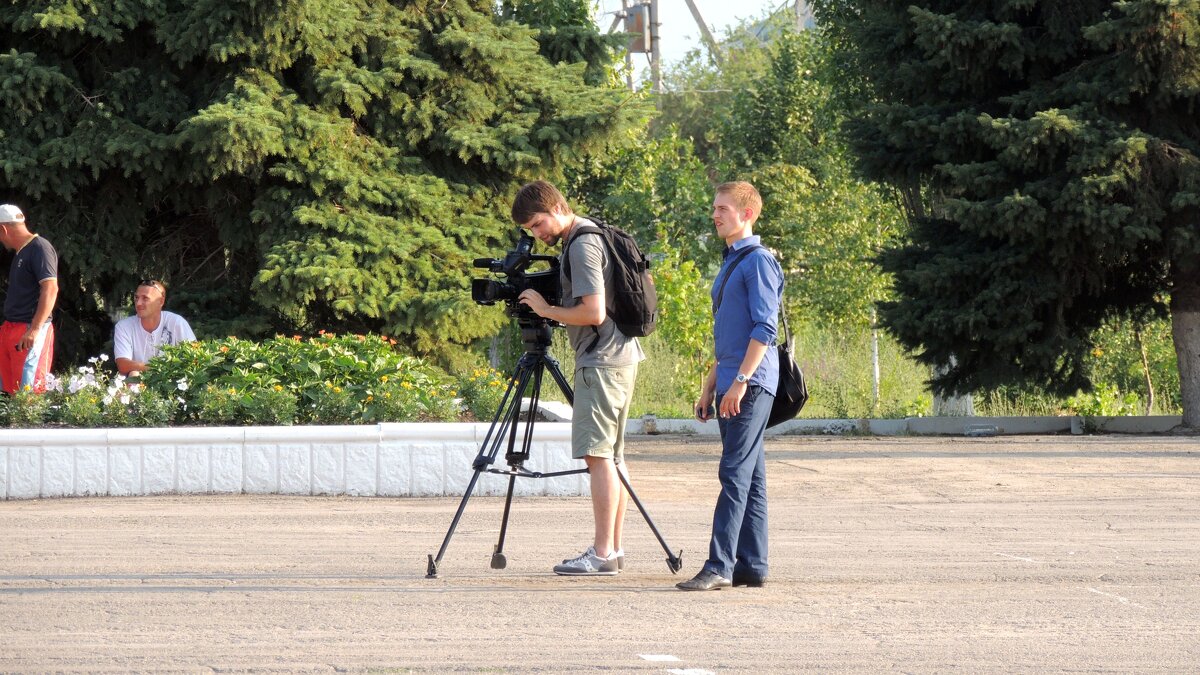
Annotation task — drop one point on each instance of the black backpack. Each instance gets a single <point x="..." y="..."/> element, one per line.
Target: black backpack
<point x="634" y="307"/>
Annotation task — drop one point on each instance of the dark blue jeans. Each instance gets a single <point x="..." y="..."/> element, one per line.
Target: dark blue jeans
<point x="739" y="534"/>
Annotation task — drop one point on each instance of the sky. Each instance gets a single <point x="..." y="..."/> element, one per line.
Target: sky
<point x="679" y="31"/>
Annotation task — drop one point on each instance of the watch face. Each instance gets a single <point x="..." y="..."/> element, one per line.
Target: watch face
<point x="741" y="377"/>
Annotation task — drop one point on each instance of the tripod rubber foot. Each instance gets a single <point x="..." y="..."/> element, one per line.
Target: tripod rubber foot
<point x="675" y="562"/>
<point x="499" y="562"/>
<point x="431" y="570"/>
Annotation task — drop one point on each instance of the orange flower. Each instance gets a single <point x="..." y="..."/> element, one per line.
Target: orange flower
<point x="224" y="348"/>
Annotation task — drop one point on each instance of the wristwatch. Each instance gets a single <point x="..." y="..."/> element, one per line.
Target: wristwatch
<point x="742" y="377"/>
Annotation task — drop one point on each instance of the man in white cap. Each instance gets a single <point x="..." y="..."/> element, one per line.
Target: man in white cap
<point x="27" y="336"/>
<point x="139" y="338"/>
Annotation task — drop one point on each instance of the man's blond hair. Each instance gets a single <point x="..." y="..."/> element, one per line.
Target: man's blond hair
<point x="745" y="196"/>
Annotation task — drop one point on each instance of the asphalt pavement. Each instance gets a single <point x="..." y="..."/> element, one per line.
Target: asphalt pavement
<point x="1008" y="554"/>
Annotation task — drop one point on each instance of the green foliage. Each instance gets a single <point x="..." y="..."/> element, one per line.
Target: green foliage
<point x="216" y="405"/>
<point x="1116" y="360"/>
<point x="287" y="165"/>
<point x="27" y="409"/>
<point x="1048" y="154"/>
<point x="685" y="320"/>
<point x="326" y="379"/>
<point x="659" y="192"/>
<point x="567" y="33"/>
<point x="333" y="405"/>
<point x="134" y="405"/>
<point x="1103" y="401"/>
<point x="482" y="392"/>
<point x="82" y="409"/>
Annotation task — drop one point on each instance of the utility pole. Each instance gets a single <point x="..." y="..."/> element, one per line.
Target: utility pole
<point x="655" y="52"/>
<point x="705" y="33"/>
<point x="628" y="51"/>
<point x="640" y="19"/>
<point x="804" y="15"/>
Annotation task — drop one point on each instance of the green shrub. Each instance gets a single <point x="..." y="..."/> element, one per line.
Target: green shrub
<point x="482" y="392"/>
<point x="27" y="409"/>
<point x="327" y="379"/>
<point x="273" y="406"/>
<point x="331" y="404"/>
<point x="1104" y="402"/>
<point x="216" y="405"/>
<point x="83" y="409"/>
<point x="393" y="402"/>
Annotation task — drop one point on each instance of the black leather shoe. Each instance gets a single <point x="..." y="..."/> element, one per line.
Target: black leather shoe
<point x="704" y="581"/>
<point x="746" y="580"/>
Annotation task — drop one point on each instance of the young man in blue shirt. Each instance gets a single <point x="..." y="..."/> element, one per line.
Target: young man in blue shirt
<point x="743" y="382"/>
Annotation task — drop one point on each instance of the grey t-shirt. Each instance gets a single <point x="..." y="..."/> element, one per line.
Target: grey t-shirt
<point x="592" y="272"/>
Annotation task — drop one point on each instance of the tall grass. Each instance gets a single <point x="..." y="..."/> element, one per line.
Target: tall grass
<point x="837" y="368"/>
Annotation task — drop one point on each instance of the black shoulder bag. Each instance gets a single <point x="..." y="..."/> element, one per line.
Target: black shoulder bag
<point x="791" y="393"/>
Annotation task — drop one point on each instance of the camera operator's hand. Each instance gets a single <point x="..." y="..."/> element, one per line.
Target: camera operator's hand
<point x="535" y="302"/>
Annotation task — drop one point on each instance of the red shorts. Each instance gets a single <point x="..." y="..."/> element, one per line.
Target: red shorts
<point x="28" y="368"/>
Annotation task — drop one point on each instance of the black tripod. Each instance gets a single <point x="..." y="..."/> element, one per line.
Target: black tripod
<point x="528" y="377"/>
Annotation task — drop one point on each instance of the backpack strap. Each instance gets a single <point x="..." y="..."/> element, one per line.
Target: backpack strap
<point x="587" y="229"/>
<point x="583" y="229"/>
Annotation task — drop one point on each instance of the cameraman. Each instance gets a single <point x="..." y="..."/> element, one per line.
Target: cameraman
<point x="606" y="363"/>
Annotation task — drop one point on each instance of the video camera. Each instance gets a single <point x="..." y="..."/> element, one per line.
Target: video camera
<point x="514" y="266"/>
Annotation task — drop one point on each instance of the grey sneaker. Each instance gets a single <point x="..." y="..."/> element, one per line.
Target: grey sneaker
<point x="588" y="564"/>
<point x="619" y="554"/>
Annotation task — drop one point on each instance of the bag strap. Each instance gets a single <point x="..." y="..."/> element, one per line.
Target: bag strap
<point x="736" y="261"/>
<point x="595" y="228"/>
<point x="583" y="229"/>
<point x="787" y="331"/>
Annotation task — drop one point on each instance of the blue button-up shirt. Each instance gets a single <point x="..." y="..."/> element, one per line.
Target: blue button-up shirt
<point x="749" y="309"/>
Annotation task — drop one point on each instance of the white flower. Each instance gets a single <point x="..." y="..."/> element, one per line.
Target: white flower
<point x="124" y="399"/>
<point x="182" y="384"/>
<point x="103" y="358"/>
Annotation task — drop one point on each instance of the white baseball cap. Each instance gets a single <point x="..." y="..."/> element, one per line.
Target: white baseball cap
<point x="11" y="214"/>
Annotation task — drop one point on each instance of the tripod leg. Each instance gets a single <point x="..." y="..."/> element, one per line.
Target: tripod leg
<point x="674" y="560"/>
<point x="557" y="373"/>
<point x="432" y="570"/>
<point x="499" y="562"/>
<point x="505" y="419"/>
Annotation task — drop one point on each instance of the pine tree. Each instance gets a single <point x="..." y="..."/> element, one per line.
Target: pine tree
<point x="1049" y="155"/>
<point x="285" y="164"/>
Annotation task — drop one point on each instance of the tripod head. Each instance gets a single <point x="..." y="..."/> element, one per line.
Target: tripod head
<point x="536" y="334"/>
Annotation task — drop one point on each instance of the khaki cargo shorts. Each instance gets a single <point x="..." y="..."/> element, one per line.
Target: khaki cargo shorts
<point x="602" y="398"/>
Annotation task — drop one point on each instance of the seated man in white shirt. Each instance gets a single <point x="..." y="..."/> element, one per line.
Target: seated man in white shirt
<point x="137" y="339"/>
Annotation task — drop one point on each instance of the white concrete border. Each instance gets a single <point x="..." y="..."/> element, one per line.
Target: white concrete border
<point x="928" y="426"/>
<point x="386" y="460"/>
<point x="391" y="460"/>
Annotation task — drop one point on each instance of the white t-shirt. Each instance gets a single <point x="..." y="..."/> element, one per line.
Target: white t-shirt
<point x="131" y="341"/>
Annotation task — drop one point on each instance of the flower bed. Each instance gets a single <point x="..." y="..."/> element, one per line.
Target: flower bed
<point x="326" y="379"/>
